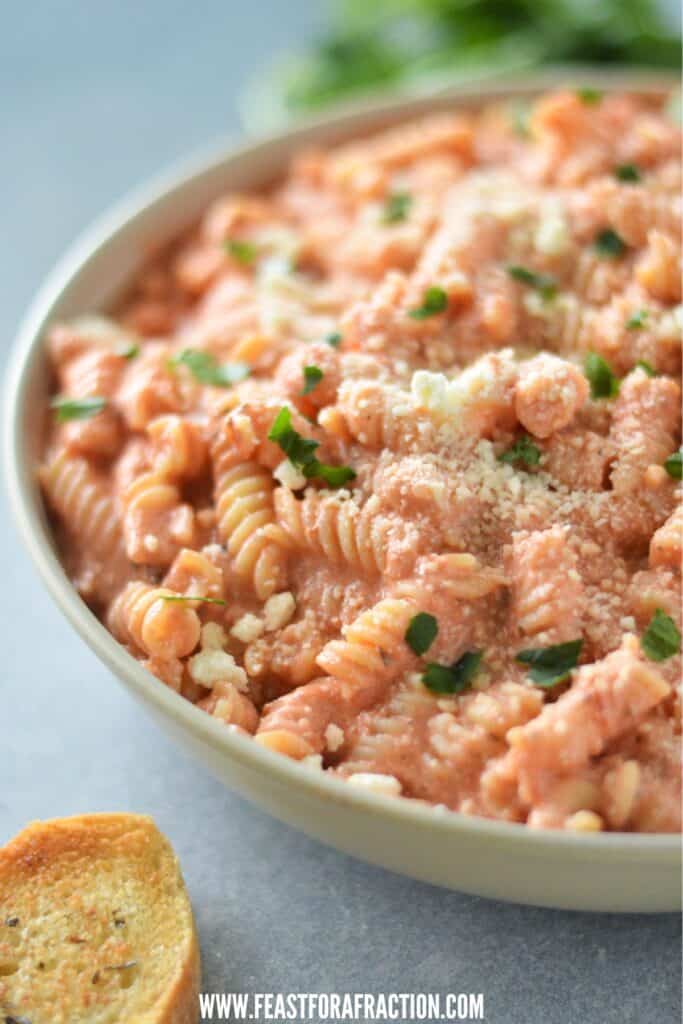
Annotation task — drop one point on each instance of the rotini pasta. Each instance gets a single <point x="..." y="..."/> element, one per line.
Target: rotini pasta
<point x="246" y="522"/>
<point x="94" y="374"/>
<point x="342" y="531"/>
<point x="645" y="423"/>
<point x="547" y="591"/>
<point x="359" y="668"/>
<point x="380" y="465"/>
<point x="156" y="522"/>
<point x="143" y="615"/>
<point x="243" y="492"/>
<point x="82" y="500"/>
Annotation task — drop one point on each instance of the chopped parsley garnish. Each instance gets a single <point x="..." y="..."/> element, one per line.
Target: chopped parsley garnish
<point x="673" y="465"/>
<point x="637" y="320"/>
<point x="334" y="476"/>
<point x="523" y="450"/>
<point x="77" y="408"/>
<point x="128" y="350"/>
<point x="455" y="678"/>
<point x="609" y="244"/>
<point x="661" y="639"/>
<point x="434" y="301"/>
<point x="333" y="339"/>
<point x="589" y="96"/>
<point x="544" y="284"/>
<point x="192" y="597"/>
<point x="312" y="377"/>
<point x="628" y="173"/>
<point x="207" y="370"/>
<point x="551" y="665"/>
<point x="603" y="382"/>
<point x="301" y="452"/>
<point x="243" y="252"/>
<point x="421" y="632"/>
<point x="646" y="367"/>
<point x="396" y="207"/>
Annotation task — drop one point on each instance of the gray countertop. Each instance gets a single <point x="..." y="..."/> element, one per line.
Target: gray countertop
<point x="94" y="98"/>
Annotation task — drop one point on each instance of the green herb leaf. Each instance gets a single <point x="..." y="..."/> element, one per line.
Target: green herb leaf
<point x="637" y="320"/>
<point x="589" y="96"/>
<point x="396" y="207"/>
<point x="609" y="244"/>
<point x="673" y="465"/>
<point x="523" y="450"/>
<point x="643" y="364"/>
<point x="434" y="301"/>
<point x="243" y="252"/>
<point x="390" y="44"/>
<point x="334" y="476"/>
<point x="77" y="408"/>
<point x="661" y="639"/>
<point x="604" y="384"/>
<point x="455" y="678"/>
<point x="333" y="339"/>
<point x="551" y="665"/>
<point x="300" y="451"/>
<point x="192" y="597"/>
<point x="544" y="284"/>
<point x="312" y="377"/>
<point x="421" y="632"/>
<point x="628" y="173"/>
<point x="128" y="351"/>
<point x="207" y="370"/>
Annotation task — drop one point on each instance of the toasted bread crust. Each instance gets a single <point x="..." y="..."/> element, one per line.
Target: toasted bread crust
<point x="96" y="925"/>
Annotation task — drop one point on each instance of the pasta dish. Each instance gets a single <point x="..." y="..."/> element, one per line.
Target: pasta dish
<point x="381" y="464"/>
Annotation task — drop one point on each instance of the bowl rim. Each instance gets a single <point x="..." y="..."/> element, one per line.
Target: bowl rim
<point x="26" y="352"/>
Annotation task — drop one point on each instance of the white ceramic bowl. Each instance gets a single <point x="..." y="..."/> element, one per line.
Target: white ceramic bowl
<point x="593" y="872"/>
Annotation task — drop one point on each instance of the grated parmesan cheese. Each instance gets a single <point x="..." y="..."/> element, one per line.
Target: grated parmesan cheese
<point x="278" y="610"/>
<point x="289" y="476"/>
<point x="552" y="233"/>
<point x="212" y="666"/>
<point x="213" y="636"/>
<point x="334" y="737"/>
<point x="248" y="628"/>
<point x="387" y="785"/>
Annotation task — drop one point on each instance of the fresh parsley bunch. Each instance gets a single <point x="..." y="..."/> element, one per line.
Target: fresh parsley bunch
<point x="397" y="44"/>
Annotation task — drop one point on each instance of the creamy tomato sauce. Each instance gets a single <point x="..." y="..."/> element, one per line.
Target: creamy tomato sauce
<point x="382" y="466"/>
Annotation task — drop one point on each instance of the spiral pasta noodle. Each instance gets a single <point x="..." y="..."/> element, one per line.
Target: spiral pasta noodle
<point x="83" y="501"/>
<point x="163" y="628"/>
<point x="342" y="531"/>
<point x="179" y="447"/>
<point x="246" y="522"/>
<point x="373" y="649"/>
<point x="547" y="590"/>
<point x="379" y="417"/>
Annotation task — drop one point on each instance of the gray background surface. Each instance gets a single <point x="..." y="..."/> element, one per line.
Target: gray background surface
<point x="93" y="98"/>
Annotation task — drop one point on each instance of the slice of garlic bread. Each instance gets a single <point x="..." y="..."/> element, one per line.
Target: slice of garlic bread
<point x="95" y="925"/>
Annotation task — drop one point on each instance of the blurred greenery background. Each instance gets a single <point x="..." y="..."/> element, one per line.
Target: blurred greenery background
<point x="423" y="45"/>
